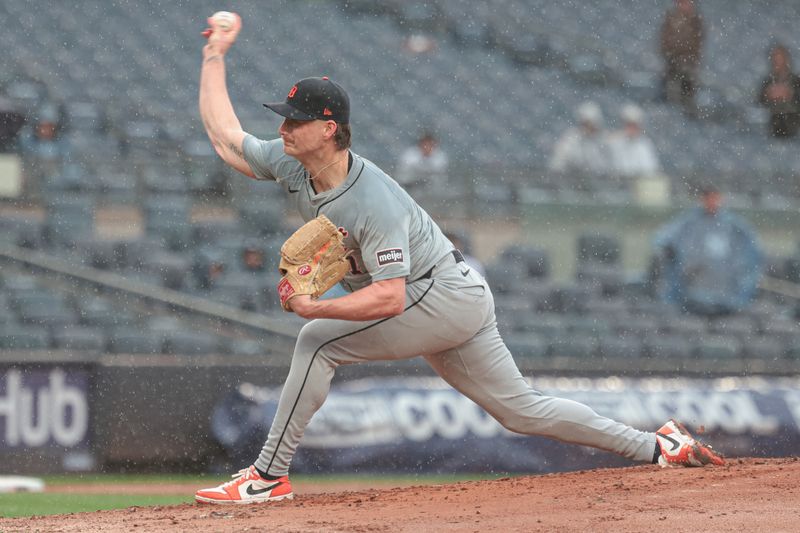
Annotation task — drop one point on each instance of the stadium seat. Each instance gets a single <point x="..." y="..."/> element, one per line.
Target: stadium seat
<point x="792" y="269"/>
<point x="133" y="253"/>
<point x="612" y="309"/>
<point x="247" y="347"/>
<point x="68" y="218"/>
<point x="582" y="347"/>
<point x="170" y="269"/>
<point x="135" y="340"/>
<point x="738" y="326"/>
<point x="784" y="328"/>
<point x="668" y="346"/>
<point x="115" y="186"/>
<point x="167" y="219"/>
<point x="24" y="338"/>
<point x="264" y="218"/>
<point x="21" y="230"/>
<point x="78" y="338"/>
<point x="161" y="179"/>
<point x="717" y="347"/>
<point x="7" y="315"/>
<point x="766" y="348"/>
<point x="598" y="248"/>
<point x="606" y="278"/>
<point x="73" y="178"/>
<point x="186" y="342"/>
<point x="420" y="15"/>
<point x="610" y="346"/>
<point x="101" y="254"/>
<point x="210" y="232"/>
<point x="503" y="276"/>
<point x="547" y="325"/>
<point x="34" y="295"/>
<point x="685" y="325"/>
<point x="250" y="291"/>
<point x="38" y="314"/>
<point x="588" y="326"/>
<point x="526" y="345"/>
<point x="637" y="327"/>
<point x="534" y="261"/>
<point x="793" y="347"/>
<point x="567" y="299"/>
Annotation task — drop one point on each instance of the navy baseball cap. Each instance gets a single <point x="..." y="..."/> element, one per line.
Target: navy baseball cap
<point x="315" y="99"/>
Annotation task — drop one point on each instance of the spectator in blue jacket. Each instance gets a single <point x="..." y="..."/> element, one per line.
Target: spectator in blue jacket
<point x="710" y="261"/>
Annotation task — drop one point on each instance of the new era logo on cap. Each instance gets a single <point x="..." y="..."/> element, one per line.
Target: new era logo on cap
<point x="315" y="99"/>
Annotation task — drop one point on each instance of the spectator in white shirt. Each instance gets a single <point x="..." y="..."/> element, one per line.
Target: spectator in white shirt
<point x="583" y="150"/>
<point x="423" y="165"/>
<point x="634" y="154"/>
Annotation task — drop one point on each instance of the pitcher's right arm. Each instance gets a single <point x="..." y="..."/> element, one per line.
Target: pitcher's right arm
<point x="219" y="119"/>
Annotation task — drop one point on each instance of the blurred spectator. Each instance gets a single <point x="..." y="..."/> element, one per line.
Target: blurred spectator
<point x="423" y="165"/>
<point x="253" y="256"/>
<point x="583" y="149"/>
<point x="42" y="139"/>
<point x="681" y="45"/>
<point x="780" y="93"/>
<point x="709" y="260"/>
<point x="634" y="154"/>
<point x="208" y="267"/>
<point x="461" y="243"/>
<point x="42" y="149"/>
<point x="419" y="44"/>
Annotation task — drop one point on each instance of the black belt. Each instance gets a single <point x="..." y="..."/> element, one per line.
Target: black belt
<point x="457" y="255"/>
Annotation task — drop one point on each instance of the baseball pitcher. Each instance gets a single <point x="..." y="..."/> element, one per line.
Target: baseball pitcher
<point x="409" y="292"/>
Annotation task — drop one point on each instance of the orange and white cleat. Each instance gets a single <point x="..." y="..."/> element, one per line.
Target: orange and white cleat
<point x="247" y="486"/>
<point x="679" y="448"/>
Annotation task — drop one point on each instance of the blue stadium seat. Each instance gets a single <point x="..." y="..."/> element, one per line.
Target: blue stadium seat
<point x="78" y="338"/>
<point x="718" y="347"/>
<point x="135" y="340"/>
<point x="766" y="348"/>
<point x="582" y="347"/>
<point x="526" y="345"/>
<point x="668" y="346"/>
<point x="598" y="248"/>
<point x="610" y="346"/>
<point x="167" y="219"/>
<point x="185" y="342"/>
<point x="24" y="338"/>
<point x="69" y="218"/>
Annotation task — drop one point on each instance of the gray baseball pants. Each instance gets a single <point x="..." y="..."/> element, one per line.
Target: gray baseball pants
<point x="450" y="321"/>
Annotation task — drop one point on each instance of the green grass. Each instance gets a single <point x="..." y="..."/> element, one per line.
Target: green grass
<point x="30" y="504"/>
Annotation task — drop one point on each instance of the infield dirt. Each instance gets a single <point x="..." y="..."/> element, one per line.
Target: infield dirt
<point x="744" y="495"/>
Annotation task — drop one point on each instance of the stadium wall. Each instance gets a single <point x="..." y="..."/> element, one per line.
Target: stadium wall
<point x="72" y="412"/>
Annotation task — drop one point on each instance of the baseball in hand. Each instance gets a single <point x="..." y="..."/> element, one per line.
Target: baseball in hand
<point x="224" y="20"/>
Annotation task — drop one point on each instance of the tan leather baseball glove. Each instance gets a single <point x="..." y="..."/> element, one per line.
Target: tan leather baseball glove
<point x="313" y="260"/>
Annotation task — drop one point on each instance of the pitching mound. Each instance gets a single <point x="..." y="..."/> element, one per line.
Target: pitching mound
<point x="746" y="495"/>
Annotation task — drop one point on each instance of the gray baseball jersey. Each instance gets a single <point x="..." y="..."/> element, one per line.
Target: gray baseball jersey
<point x="448" y="319"/>
<point x="390" y="236"/>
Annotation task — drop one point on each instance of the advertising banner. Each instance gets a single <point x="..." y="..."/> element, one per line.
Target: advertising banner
<point x="44" y="410"/>
<point x="423" y="425"/>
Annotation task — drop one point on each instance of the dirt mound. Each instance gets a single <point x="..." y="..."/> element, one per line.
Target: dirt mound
<point x="745" y="495"/>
